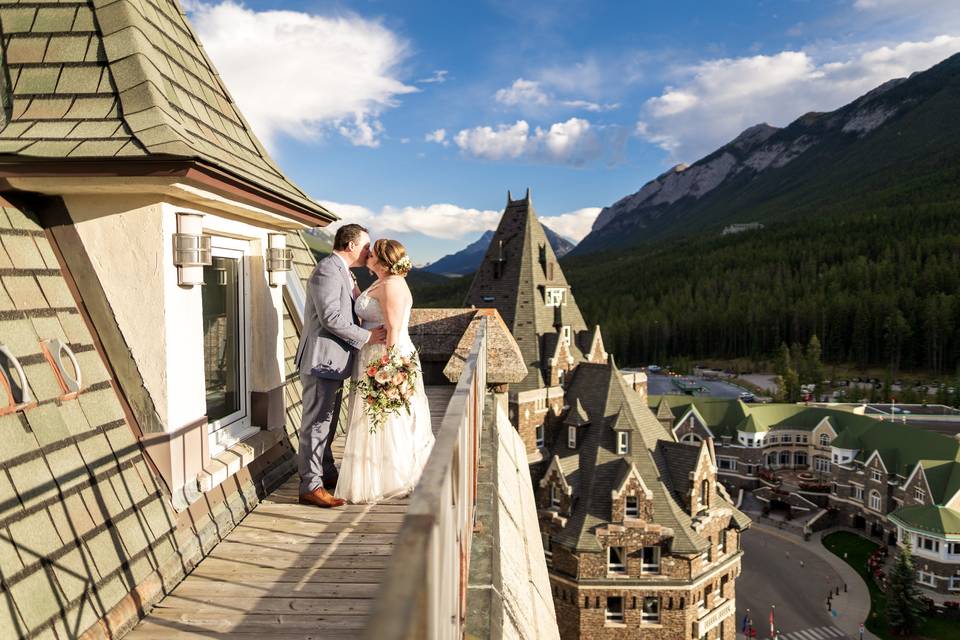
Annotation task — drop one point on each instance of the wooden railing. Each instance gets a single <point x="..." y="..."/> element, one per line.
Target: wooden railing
<point x="424" y="592"/>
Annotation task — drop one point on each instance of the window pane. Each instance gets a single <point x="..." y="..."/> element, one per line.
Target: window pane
<point x="221" y="336"/>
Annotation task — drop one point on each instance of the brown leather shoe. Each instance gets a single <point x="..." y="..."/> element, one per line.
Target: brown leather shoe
<point x="320" y="497"/>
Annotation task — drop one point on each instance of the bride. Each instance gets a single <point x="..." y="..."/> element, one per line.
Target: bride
<point x="388" y="462"/>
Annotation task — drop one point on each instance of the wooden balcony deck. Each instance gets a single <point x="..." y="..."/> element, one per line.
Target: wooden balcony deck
<point x="287" y="570"/>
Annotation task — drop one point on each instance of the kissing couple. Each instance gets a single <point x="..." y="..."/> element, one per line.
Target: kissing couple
<point x="346" y="334"/>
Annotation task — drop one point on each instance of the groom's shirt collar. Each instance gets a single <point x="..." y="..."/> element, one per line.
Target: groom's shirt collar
<point x="345" y="265"/>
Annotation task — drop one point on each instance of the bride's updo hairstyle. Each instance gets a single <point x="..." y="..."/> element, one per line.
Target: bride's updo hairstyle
<point x="392" y="255"/>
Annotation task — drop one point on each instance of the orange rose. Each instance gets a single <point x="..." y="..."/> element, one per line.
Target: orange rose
<point x="385" y="360"/>
<point x="371" y="371"/>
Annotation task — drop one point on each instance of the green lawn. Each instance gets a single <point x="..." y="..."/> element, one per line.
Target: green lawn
<point x="857" y="550"/>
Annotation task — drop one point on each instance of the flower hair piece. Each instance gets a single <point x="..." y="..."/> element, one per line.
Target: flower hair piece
<point x="401" y="267"/>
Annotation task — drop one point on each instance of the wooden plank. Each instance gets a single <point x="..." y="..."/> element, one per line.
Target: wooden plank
<point x="228" y="604"/>
<point x="289" y="570"/>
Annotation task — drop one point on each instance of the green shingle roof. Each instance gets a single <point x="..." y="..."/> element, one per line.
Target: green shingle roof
<point x="123" y="79"/>
<point x="938" y="520"/>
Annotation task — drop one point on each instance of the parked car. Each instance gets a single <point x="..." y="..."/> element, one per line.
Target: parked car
<point x="653" y="368"/>
<point x="746" y="396"/>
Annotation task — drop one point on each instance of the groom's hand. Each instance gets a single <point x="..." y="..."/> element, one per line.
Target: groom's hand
<point x="378" y="335"/>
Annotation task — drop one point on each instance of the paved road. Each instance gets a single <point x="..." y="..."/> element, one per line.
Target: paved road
<point x="795" y="580"/>
<point x="659" y="385"/>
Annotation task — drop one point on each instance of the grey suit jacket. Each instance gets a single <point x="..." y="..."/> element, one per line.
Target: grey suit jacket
<point x="331" y="333"/>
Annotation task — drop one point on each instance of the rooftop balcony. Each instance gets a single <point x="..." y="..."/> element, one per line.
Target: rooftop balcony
<point x="396" y="570"/>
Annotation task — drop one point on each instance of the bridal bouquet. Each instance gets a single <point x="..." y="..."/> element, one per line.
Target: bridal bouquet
<point x="386" y="385"/>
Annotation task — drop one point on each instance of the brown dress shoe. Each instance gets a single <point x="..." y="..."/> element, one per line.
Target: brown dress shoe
<point x="320" y="497"/>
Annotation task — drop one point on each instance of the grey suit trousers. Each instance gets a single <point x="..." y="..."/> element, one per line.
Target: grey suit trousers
<point x="321" y="410"/>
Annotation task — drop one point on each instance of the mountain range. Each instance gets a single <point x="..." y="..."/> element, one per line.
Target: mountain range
<point x="768" y="174"/>
<point x="850" y="228"/>
<point x="468" y="259"/>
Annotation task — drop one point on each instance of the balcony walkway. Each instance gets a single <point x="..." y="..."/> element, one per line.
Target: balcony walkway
<point x="288" y="570"/>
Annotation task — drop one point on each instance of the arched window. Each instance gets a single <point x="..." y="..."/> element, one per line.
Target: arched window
<point x="691" y="437"/>
<point x="705" y="493"/>
<point x="824" y="440"/>
<point x="875" y="500"/>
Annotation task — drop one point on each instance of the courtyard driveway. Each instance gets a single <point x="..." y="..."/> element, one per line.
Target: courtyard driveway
<point x="782" y="570"/>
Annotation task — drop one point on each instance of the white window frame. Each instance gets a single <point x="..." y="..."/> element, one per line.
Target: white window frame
<point x="875" y="503"/>
<point x="786" y="438"/>
<point x="619" y="568"/>
<point x="623" y="442"/>
<point x="554" y="296"/>
<point x="928" y="544"/>
<point x="572" y="437"/>
<point x="927" y="578"/>
<point x="631" y="512"/>
<point x="856" y="492"/>
<point x="613" y="616"/>
<point x="539" y="437"/>
<point x="875" y="475"/>
<point x="954" y="584"/>
<point x="648" y="618"/>
<point x="731" y="463"/>
<point x="824" y="440"/>
<point x="772" y="439"/>
<point x="565" y="334"/>
<point x="231" y="429"/>
<point x="650" y="567"/>
<point x="554" y="497"/>
<point x="919" y="494"/>
<point x="821" y="464"/>
<point x="953" y="548"/>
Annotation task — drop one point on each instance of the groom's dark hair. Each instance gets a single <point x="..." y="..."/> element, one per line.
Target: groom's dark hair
<point x="346" y="234"/>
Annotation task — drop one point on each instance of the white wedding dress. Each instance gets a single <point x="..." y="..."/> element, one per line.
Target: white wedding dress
<point x="387" y="463"/>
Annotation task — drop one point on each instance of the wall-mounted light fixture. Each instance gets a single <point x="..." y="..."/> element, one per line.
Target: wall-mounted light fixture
<point x="279" y="259"/>
<point x="191" y="248"/>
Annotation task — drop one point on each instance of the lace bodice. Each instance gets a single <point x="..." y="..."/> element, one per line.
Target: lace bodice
<point x="369" y="311"/>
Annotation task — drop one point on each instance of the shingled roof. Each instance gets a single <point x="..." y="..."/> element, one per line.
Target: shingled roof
<point x="607" y="399"/>
<point x="512" y="278"/>
<point x="123" y="80"/>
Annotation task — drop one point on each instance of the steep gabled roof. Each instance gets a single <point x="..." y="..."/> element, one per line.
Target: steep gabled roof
<point x="607" y="400"/>
<point x="679" y="460"/>
<point x="88" y="82"/>
<point x="515" y="271"/>
<point x="577" y="415"/>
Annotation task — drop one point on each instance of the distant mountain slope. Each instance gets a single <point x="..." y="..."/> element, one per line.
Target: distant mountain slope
<point x="902" y="130"/>
<point x="468" y="259"/>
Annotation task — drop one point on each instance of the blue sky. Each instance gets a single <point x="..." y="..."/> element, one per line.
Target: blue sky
<point x="416" y="117"/>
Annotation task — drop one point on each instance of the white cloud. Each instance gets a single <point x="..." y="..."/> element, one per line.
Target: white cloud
<point x="717" y="99"/>
<point x="439" y="76"/>
<point x="586" y="105"/>
<point x="575" y="224"/>
<point x="574" y="141"/>
<point x="522" y="92"/>
<point x="442" y="221"/>
<point x="301" y="74"/>
<point x="439" y="136"/>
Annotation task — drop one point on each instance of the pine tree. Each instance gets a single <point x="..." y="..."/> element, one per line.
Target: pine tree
<point x="903" y="598"/>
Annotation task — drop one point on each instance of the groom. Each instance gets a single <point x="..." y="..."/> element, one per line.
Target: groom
<point x="330" y="338"/>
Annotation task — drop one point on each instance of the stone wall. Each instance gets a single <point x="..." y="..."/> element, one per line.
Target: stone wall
<point x="509" y="591"/>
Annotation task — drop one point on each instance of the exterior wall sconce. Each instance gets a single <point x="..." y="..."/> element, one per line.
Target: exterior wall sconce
<point x="191" y="249"/>
<point x="279" y="259"/>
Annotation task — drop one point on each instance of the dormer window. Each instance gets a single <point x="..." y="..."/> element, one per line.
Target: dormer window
<point x="554" y="497"/>
<point x="824" y="440"/>
<point x="919" y="494"/>
<point x="875" y="475"/>
<point x="572" y="437"/>
<point x="553" y="297"/>
<point x="565" y="334"/>
<point x="651" y="560"/>
<point x="616" y="560"/>
<point x="539" y="436"/>
<point x="632" y="507"/>
<point x="705" y="494"/>
<point x="623" y="443"/>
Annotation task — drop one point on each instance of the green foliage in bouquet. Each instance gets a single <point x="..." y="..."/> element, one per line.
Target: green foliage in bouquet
<point x="386" y="385"/>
